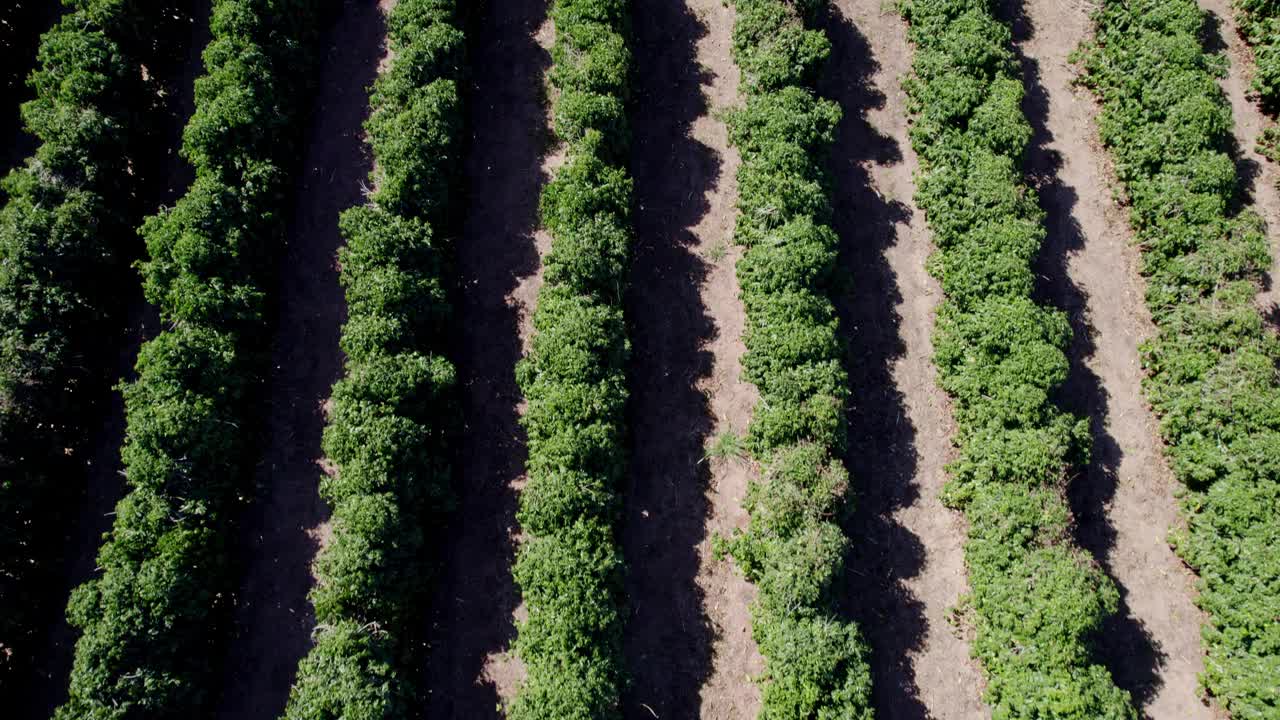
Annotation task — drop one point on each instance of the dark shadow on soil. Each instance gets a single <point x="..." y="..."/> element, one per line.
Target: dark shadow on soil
<point x="668" y="636"/>
<point x="1123" y="645"/>
<point x="882" y="451"/>
<point x="472" y="607"/>
<point x="28" y="20"/>
<point x="272" y="618"/>
<point x="164" y="177"/>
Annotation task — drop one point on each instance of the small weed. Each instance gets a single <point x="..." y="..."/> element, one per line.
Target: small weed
<point x="726" y="445"/>
<point x="717" y="252"/>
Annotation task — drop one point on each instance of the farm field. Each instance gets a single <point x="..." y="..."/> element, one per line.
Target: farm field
<point x="629" y="359"/>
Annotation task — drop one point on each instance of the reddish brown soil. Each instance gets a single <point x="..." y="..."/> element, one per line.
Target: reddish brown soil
<point x="469" y="671"/>
<point x="1123" y="503"/>
<point x="284" y="527"/>
<point x="1260" y="175"/>
<point x="907" y="566"/>
<point x="688" y="641"/>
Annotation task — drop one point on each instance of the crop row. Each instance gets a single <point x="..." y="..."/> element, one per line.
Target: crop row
<point x="151" y="620"/>
<point x="1212" y="374"/>
<point x="569" y="567"/>
<point x="793" y="548"/>
<point x="65" y="237"/>
<point x="389" y="431"/>
<point x="1036" y="598"/>
<point x="1259" y="22"/>
<point x="1260" y="25"/>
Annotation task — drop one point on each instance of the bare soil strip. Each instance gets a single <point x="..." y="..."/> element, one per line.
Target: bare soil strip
<point x="469" y="671"/>
<point x="907" y="567"/>
<point x="285" y="525"/>
<point x="17" y="144"/>
<point x="688" y="639"/>
<point x="104" y="484"/>
<point x="1260" y="175"/>
<point x="1124" y="503"/>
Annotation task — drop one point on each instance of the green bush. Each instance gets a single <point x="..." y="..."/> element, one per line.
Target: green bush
<point x="570" y="567"/>
<point x="65" y="237"/>
<point x="1038" y="600"/>
<point x="1211" y="367"/>
<point x="151" y="618"/>
<point x="793" y="548"/>
<point x="350" y="673"/>
<point x="392" y="420"/>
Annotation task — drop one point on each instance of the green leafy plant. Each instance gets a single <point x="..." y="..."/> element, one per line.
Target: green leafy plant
<point x="389" y="431"/>
<point x="726" y="446"/>
<point x="1036" y="599"/>
<point x="1211" y="366"/>
<point x="150" y="621"/>
<point x="569" y="568"/>
<point x="66" y="233"/>
<point x="793" y="548"/>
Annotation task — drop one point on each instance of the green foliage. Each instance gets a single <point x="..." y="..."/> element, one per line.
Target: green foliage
<point x="65" y="236"/>
<point x="574" y="379"/>
<point x="1260" y="25"/>
<point x="725" y="446"/>
<point x="350" y="673"/>
<point x="1212" y="375"/>
<point x="793" y="549"/>
<point x="150" y="619"/>
<point x="393" y="419"/>
<point x="1036" y="599"/>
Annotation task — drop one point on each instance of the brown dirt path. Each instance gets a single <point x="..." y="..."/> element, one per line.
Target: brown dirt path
<point x="907" y="566"/>
<point x="1261" y="176"/>
<point x="284" y="527"/>
<point x="469" y="671"/>
<point x="1124" y="503"/>
<point x="688" y="639"/>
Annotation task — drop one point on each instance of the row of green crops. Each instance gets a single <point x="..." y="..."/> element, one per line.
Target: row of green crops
<point x="1259" y="22"/>
<point x="391" y="423"/>
<point x="1037" y="599"/>
<point x="569" y="567"/>
<point x="1212" y="363"/>
<point x="1260" y="25"/>
<point x="66" y="232"/>
<point x="152" y="619"/>
<point x="794" y="550"/>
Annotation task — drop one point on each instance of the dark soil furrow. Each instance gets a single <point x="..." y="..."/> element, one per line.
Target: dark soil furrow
<point x="285" y="524"/>
<point x="688" y="641"/>
<point x="906" y="570"/>
<point x="469" y="670"/>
